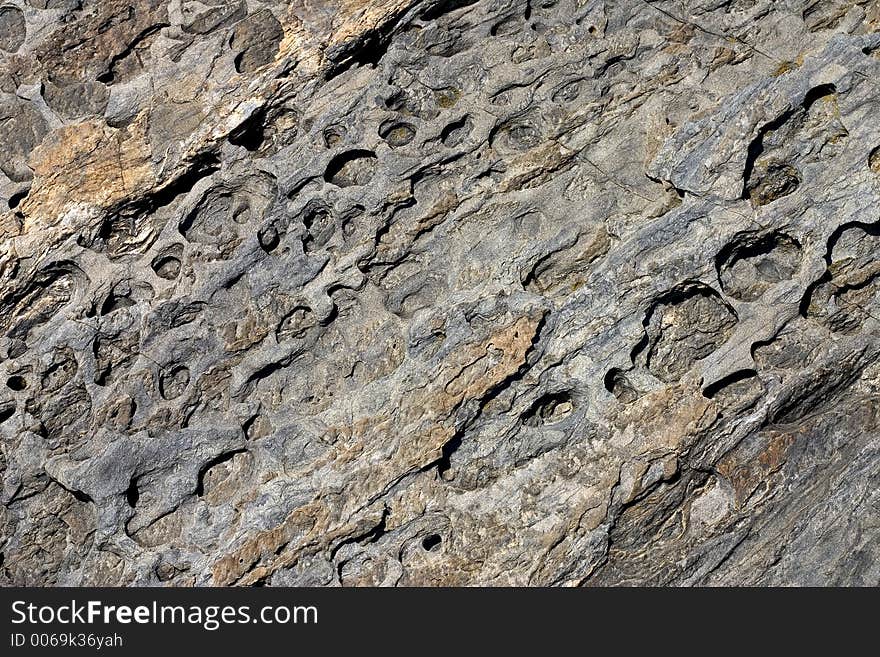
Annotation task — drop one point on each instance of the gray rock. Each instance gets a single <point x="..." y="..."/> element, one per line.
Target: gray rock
<point x="495" y="292"/>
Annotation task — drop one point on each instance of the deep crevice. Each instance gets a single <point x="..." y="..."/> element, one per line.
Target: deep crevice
<point x="252" y="132"/>
<point x="444" y="464"/>
<point x="367" y="50"/>
<point x="370" y="536"/>
<point x="443" y="7"/>
<point x="132" y="494"/>
<point x="713" y="389"/>
<point x="7" y="413"/>
<point x="756" y="146"/>
<point x="109" y="77"/>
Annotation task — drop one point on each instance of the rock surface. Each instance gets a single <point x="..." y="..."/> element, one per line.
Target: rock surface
<point x="400" y="292"/>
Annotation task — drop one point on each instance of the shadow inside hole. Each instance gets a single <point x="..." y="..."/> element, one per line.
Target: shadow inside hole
<point x="549" y="409"/>
<point x="16" y="383"/>
<point x="431" y="542"/>
<point x="132" y="494"/>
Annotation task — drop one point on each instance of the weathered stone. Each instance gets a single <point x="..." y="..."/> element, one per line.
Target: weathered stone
<point x="425" y="292"/>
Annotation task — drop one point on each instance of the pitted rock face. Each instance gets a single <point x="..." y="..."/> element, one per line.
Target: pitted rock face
<point x="570" y="292"/>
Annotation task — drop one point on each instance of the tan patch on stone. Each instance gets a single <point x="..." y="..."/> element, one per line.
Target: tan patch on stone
<point x="664" y="418"/>
<point x="419" y="430"/>
<point x="747" y="474"/>
<point x="86" y="163"/>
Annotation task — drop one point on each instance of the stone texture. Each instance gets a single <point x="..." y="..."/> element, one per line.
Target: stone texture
<point x="496" y="292"/>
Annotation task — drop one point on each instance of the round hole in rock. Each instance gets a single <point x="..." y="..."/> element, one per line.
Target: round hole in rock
<point x="683" y="326"/>
<point x="113" y="303"/>
<point x="132" y="494"/>
<point x="617" y="383"/>
<point x="296" y="323"/>
<point x="516" y="136"/>
<point x="16" y="382"/>
<point x="431" y="542"/>
<point x="770" y="181"/>
<point x="269" y="239"/>
<point x="167" y="267"/>
<point x="397" y="133"/>
<point x="351" y="168"/>
<point x="168" y="264"/>
<point x="752" y="263"/>
<point x="320" y="225"/>
<point x="173" y="382"/>
<point x="241" y="212"/>
<point x="506" y="27"/>
<point x="258" y="38"/>
<point x="874" y="160"/>
<point x="456" y="132"/>
<point x="334" y="135"/>
<point x="447" y="97"/>
<point x="17" y="198"/>
<point x="549" y="409"/>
